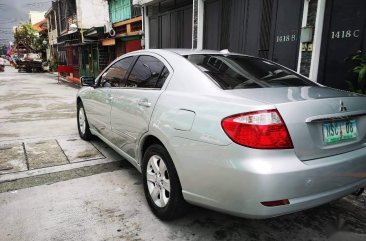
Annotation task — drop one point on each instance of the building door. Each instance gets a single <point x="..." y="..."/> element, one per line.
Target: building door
<point x="285" y="34"/>
<point x="170" y="24"/>
<point x="344" y="35"/>
<point x="212" y="25"/>
<point x="265" y="28"/>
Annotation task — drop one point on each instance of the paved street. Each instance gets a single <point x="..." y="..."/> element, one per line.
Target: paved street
<point x="54" y="186"/>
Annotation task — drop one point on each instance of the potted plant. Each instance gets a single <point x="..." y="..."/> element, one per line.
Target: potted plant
<point x="358" y="63"/>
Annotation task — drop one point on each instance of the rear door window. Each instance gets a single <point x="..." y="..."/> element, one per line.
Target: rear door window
<point x="243" y="72"/>
<point x="148" y="72"/>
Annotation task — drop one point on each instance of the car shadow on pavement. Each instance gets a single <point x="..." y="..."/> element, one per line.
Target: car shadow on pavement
<point x="344" y="219"/>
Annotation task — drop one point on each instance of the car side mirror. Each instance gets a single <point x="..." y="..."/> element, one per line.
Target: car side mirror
<point x="87" y="81"/>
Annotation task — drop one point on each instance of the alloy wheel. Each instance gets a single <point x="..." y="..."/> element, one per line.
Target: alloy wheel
<point x="82" y="122"/>
<point x="158" y="182"/>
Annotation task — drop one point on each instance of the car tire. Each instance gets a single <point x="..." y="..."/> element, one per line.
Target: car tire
<point x="157" y="179"/>
<point x="83" y="125"/>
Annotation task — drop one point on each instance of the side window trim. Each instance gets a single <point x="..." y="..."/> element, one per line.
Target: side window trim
<point x="167" y="65"/>
<point x="125" y="78"/>
<point x="137" y="57"/>
<point x="127" y="75"/>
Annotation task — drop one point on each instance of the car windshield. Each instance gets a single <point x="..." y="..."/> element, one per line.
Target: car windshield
<point x="243" y="72"/>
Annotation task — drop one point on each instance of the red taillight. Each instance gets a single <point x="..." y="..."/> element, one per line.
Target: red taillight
<point x="260" y="129"/>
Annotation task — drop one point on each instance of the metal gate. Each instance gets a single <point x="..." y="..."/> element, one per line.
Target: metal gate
<point x="170" y="26"/>
<point x="344" y="35"/>
<point x="265" y="28"/>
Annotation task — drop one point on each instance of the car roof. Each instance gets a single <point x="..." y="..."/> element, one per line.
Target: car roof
<point x="188" y="51"/>
<point x="193" y="51"/>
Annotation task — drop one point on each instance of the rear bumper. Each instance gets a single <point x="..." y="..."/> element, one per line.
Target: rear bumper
<point x="235" y="180"/>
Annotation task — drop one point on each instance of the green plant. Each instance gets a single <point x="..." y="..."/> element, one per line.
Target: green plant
<point x="359" y="63"/>
<point x="53" y="64"/>
<point x="360" y="70"/>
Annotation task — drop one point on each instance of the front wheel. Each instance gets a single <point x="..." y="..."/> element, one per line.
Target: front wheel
<point x="83" y="125"/>
<point x="161" y="184"/>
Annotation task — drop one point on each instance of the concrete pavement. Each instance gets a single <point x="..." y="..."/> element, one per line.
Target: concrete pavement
<point x="111" y="206"/>
<point x="38" y="133"/>
<point x="54" y="186"/>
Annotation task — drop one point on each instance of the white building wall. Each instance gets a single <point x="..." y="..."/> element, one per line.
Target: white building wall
<point x="92" y="13"/>
<point x="142" y="2"/>
<point x="200" y="26"/>
<point x="314" y="67"/>
<point x="146" y="28"/>
<point x="36" y="16"/>
<point x="52" y="34"/>
<point x="52" y="37"/>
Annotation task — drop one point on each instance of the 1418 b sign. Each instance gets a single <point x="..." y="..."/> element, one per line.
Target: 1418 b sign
<point x="286" y="38"/>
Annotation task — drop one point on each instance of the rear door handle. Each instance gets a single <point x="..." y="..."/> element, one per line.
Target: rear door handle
<point x="144" y="102"/>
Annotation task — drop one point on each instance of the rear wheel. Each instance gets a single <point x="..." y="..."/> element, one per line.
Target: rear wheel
<point x="161" y="184"/>
<point x="83" y="125"/>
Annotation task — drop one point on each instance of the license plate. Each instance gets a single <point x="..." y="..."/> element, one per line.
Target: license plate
<point x="337" y="131"/>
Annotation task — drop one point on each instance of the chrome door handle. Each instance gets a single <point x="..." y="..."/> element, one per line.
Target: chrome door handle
<point x="144" y="102"/>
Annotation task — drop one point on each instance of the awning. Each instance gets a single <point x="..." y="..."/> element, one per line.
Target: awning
<point x="86" y="42"/>
<point x="130" y="38"/>
<point x="108" y="42"/>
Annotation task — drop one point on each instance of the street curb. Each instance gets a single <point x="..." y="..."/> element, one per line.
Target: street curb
<point x="47" y="170"/>
<point x="63" y="79"/>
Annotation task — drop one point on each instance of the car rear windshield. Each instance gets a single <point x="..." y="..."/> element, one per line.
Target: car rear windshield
<point x="243" y="72"/>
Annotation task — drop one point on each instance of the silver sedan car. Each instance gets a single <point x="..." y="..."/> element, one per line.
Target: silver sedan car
<point x="228" y="132"/>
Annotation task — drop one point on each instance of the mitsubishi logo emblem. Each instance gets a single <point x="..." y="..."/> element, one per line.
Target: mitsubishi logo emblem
<point x="342" y="108"/>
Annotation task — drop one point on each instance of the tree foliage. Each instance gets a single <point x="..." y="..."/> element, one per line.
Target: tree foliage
<point x="26" y="35"/>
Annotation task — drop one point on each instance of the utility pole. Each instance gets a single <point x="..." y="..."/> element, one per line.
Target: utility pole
<point x="17" y="40"/>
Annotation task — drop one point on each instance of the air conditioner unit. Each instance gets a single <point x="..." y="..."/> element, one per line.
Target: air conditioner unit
<point x="108" y="27"/>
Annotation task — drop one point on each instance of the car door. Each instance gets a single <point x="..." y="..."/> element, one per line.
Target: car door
<point x="99" y="104"/>
<point x="133" y="104"/>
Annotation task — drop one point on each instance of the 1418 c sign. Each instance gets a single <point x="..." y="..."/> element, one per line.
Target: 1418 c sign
<point x="344" y="34"/>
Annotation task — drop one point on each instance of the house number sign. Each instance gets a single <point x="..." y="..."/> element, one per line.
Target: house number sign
<point x="286" y="38"/>
<point x="344" y="34"/>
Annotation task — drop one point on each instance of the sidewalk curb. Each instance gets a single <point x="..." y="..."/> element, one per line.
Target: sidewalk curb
<point x="63" y="79"/>
<point x="54" y="169"/>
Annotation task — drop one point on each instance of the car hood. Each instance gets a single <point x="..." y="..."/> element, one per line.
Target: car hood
<point x="291" y="94"/>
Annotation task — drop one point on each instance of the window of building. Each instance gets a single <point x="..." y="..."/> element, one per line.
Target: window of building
<point x="53" y="23"/>
<point x="119" y="10"/>
<point x="148" y="72"/>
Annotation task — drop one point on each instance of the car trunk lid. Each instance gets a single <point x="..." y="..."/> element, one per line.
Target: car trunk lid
<point x="319" y="119"/>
